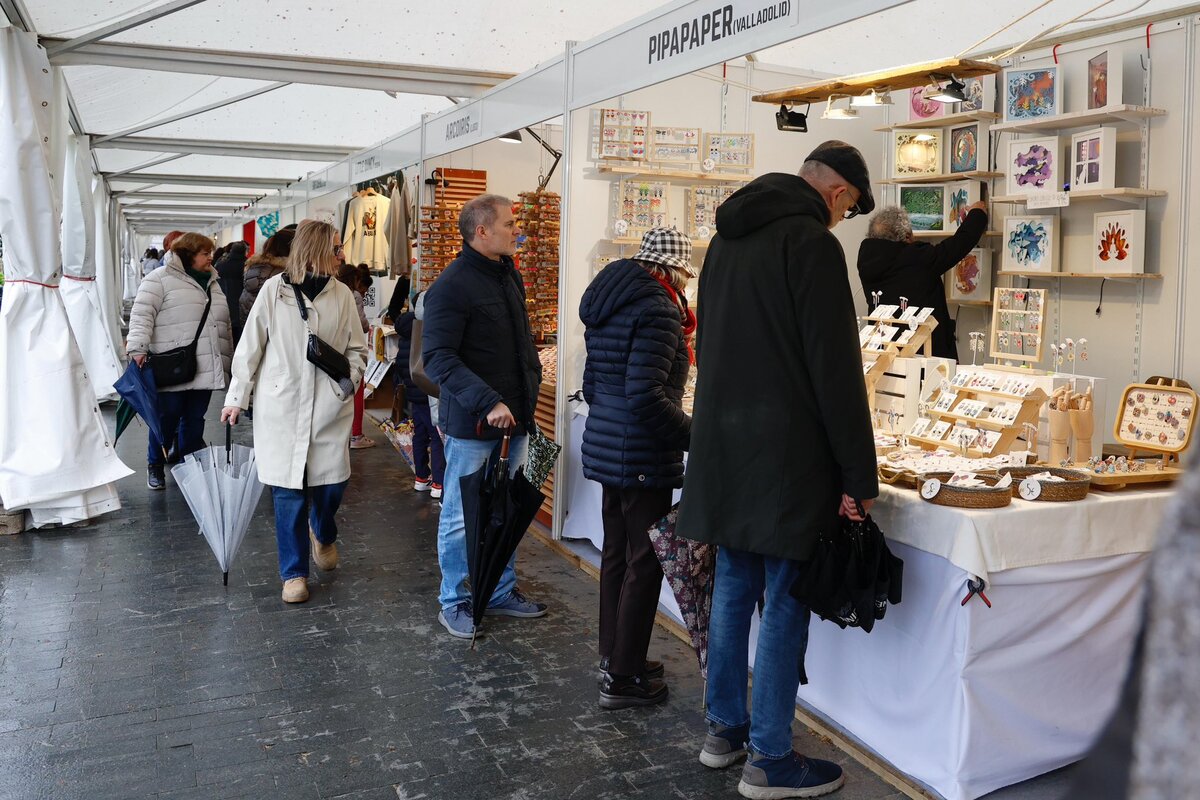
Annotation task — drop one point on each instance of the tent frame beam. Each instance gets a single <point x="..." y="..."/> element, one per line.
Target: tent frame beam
<point x="120" y="26"/>
<point x="203" y="180"/>
<point x="399" y="78"/>
<point x="217" y="147"/>
<point x="129" y="196"/>
<point x="147" y="165"/>
<point x="188" y="114"/>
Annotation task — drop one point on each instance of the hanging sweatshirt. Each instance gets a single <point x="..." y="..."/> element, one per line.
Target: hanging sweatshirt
<point x="365" y="240"/>
<point x="399" y="229"/>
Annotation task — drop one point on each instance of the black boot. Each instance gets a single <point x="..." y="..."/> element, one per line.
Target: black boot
<point x="653" y="669"/>
<point x="155" y="478"/>
<point x="173" y="456"/>
<point x="626" y="691"/>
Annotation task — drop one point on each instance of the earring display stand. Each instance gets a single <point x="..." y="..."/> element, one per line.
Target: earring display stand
<point x="881" y="342"/>
<point x="996" y="412"/>
<point x="1141" y="425"/>
<point x="1018" y="318"/>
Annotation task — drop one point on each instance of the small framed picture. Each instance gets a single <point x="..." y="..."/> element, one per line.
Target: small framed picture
<point x="980" y="93"/>
<point x="925" y="205"/>
<point x="971" y="278"/>
<point x="1030" y="244"/>
<point x="1105" y="76"/>
<point x="1094" y="159"/>
<point x="1031" y="93"/>
<point x="1119" y="242"/>
<point x="918" y="153"/>
<point x="1033" y="166"/>
<point x="959" y="197"/>
<point x="968" y="148"/>
<point x="921" y="107"/>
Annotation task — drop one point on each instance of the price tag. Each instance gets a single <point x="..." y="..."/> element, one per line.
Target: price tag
<point x="1048" y="200"/>
<point x="1030" y="489"/>
<point x="930" y="488"/>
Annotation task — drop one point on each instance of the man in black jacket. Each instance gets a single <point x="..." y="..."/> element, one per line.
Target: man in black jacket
<point x="781" y="446"/>
<point x="889" y="261"/>
<point x="478" y="348"/>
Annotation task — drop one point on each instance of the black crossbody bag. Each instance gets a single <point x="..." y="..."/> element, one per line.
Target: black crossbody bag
<point x="321" y="354"/>
<point x="178" y="365"/>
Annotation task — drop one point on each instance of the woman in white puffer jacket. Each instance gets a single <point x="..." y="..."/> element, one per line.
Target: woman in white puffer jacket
<point x="166" y="314"/>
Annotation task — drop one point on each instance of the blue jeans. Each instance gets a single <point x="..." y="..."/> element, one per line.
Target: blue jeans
<point x="464" y="456"/>
<point x="181" y="412"/>
<point x="742" y="578"/>
<point x="427" y="446"/>
<point x="295" y="510"/>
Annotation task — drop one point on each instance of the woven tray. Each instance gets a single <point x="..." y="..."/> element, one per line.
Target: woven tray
<point x="965" y="496"/>
<point x="1074" y="487"/>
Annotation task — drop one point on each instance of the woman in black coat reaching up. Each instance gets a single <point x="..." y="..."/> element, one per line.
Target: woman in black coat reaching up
<point x="638" y="326"/>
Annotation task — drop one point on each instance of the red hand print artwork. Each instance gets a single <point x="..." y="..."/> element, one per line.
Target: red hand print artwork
<point x="1114" y="243"/>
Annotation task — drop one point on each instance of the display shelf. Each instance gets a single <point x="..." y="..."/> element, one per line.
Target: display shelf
<point x="991" y="425"/>
<point x="943" y="177"/>
<point x="934" y="444"/>
<point x="942" y="122"/>
<point x="674" y="174"/>
<point x="979" y="303"/>
<point x="1081" y="119"/>
<point x="945" y="234"/>
<point x="1009" y="432"/>
<point x="636" y="242"/>
<point x="1124" y="193"/>
<point x="1145" y="276"/>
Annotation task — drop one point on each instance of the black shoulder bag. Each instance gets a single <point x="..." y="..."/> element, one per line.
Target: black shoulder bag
<point x="178" y="365"/>
<point x="321" y="354"/>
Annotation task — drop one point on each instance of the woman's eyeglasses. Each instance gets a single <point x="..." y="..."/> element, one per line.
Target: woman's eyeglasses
<point x="338" y="249"/>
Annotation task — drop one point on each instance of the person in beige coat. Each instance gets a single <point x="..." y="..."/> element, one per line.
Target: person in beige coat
<point x="301" y="416"/>
<point x="166" y="314"/>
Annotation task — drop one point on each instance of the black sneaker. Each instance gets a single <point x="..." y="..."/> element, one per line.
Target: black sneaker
<point x="627" y="691"/>
<point x="653" y="669"/>
<point x="155" y="478"/>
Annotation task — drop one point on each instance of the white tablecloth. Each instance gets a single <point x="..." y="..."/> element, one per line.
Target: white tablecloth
<point x="970" y="699"/>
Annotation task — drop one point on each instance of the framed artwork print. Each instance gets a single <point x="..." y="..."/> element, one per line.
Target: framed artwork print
<point x="1104" y="80"/>
<point x="1031" y="93"/>
<point x="959" y="197"/>
<point x="968" y="148"/>
<point x="971" y="278"/>
<point x="1030" y="244"/>
<point x="1119" y="242"/>
<point x="1094" y="159"/>
<point x="980" y="93"/>
<point x="925" y="206"/>
<point x="918" y="153"/>
<point x="921" y="107"/>
<point x="1033" y="166"/>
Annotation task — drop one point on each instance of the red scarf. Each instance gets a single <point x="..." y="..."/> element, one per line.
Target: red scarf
<point x="687" y="316"/>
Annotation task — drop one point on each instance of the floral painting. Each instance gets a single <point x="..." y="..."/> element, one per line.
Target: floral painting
<point x="924" y="205"/>
<point x="921" y="107"/>
<point x="1119" y="242"/>
<point x="1029" y="244"/>
<point x="964" y="148"/>
<point x="1033" y="165"/>
<point x="1030" y="93"/>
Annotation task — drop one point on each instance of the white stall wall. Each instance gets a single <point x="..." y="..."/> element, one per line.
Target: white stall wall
<point x="511" y="168"/>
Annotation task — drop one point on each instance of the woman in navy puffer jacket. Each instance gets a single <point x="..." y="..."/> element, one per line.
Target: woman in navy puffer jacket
<point x="638" y="356"/>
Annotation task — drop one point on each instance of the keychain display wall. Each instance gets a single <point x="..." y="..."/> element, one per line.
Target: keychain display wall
<point x="1017" y="322"/>
<point x="702" y="203"/>
<point x="539" y="215"/>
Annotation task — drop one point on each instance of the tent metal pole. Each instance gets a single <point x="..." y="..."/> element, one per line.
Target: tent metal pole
<point x="121" y="26"/>
<point x="217" y="147"/>
<point x="192" y="113"/>
<point x="147" y="165"/>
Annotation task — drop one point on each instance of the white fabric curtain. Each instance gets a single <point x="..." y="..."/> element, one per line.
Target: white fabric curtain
<point x="56" y="457"/>
<point x="79" y="290"/>
<point x="108" y="273"/>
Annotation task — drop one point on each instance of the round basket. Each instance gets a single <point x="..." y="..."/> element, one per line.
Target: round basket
<point x="965" y="496"/>
<point x="1074" y="486"/>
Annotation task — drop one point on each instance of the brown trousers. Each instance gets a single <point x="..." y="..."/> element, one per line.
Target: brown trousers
<point x="630" y="576"/>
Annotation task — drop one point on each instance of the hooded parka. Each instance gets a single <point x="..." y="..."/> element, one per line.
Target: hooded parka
<point x="165" y="314"/>
<point x="781" y="426"/>
<point x="637" y="365"/>
<point x="301" y="421"/>
<point x="259" y="269"/>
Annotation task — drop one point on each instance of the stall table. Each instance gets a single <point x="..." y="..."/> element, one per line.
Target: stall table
<point x="966" y="699"/>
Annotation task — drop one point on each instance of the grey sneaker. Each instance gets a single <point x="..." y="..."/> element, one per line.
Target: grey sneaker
<point x="457" y="620"/>
<point x="791" y="776"/>
<point x="724" y="746"/>
<point x="516" y="605"/>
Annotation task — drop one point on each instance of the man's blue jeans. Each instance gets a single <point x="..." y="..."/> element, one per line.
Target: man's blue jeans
<point x="295" y="510"/>
<point x="742" y="578"/>
<point x="464" y="456"/>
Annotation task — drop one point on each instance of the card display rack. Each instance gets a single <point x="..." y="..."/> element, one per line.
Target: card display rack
<point x="1018" y="317"/>
<point x="675" y="145"/>
<point x="887" y="337"/>
<point x="980" y="413"/>
<point x="620" y="134"/>
<point x="440" y="241"/>
<point x="730" y="150"/>
<point x="540" y="217"/>
<point x="702" y="203"/>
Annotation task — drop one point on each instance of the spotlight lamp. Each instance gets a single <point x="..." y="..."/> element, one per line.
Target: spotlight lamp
<point x="512" y="137"/>
<point x="952" y="92"/>
<point x="788" y="120"/>
<point x="873" y="98"/>
<point x="838" y="113"/>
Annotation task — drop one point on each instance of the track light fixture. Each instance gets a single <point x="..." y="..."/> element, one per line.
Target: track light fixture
<point x="787" y="120"/>
<point x="952" y="92"/>
<point x="872" y="98"/>
<point x="838" y="113"/>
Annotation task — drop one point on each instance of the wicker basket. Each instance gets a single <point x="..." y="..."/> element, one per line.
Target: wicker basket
<point x="966" y="496"/>
<point x="1074" y="486"/>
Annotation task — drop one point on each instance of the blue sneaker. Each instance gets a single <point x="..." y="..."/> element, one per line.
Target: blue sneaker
<point x="457" y="620"/>
<point x="724" y="746"/>
<point x="515" y="605"/>
<point x="791" y="776"/>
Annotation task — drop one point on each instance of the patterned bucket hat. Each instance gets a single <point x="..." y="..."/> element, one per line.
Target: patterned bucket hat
<point x="666" y="246"/>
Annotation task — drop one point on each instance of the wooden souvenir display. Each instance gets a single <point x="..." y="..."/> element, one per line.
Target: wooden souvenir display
<point x="1157" y="417"/>
<point x="540" y="216"/>
<point x="702" y="202"/>
<point x="675" y="146"/>
<point x="620" y="134"/>
<point x="730" y="150"/>
<point x="642" y="205"/>
<point x="887" y="337"/>
<point x="440" y="240"/>
<point x="980" y="413"/>
<point x="1017" y="319"/>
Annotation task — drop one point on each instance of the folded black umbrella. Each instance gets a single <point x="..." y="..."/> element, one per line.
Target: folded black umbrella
<point x="497" y="510"/>
<point x="851" y="576"/>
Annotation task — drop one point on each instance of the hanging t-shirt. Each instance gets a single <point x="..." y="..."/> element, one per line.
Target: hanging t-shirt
<point x="365" y="240"/>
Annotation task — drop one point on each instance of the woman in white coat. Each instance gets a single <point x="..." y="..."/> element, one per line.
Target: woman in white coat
<point x="167" y="313"/>
<point x="301" y="416"/>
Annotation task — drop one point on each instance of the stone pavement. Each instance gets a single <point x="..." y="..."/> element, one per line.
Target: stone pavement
<point x="128" y="671"/>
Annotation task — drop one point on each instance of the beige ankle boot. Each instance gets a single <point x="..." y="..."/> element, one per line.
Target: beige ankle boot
<point x="295" y="590"/>
<point x="326" y="555"/>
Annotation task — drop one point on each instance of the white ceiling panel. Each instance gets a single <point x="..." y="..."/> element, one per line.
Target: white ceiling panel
<point x="117" y="160"/>
<point x="245" y="167"/>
